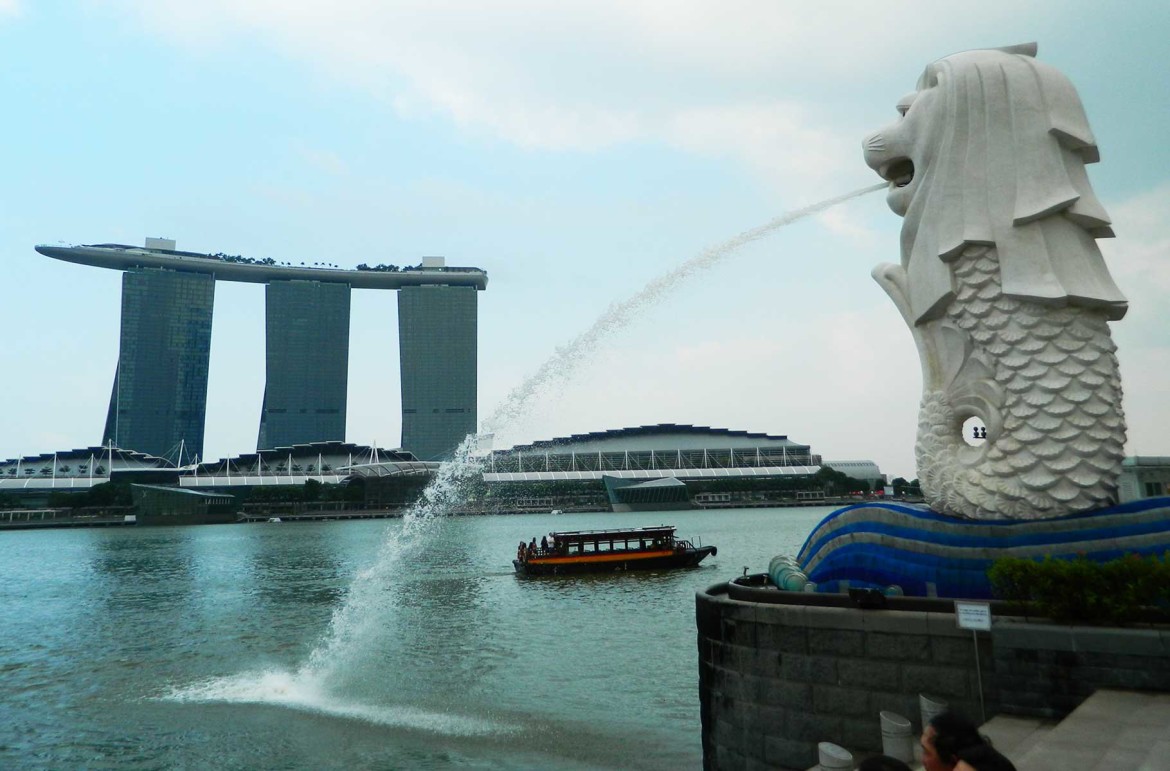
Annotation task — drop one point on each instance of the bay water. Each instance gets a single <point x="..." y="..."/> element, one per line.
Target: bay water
<point x="186" y="647"/>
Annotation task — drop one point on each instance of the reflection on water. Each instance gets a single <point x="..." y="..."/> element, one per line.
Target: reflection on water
<point x="112" y="639"/>
<point x="309" y="570"/>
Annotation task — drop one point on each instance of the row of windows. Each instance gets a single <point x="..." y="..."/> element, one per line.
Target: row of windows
<point x="437" y="345"/>
<point x="160" y="397"/>
<point x="506" y="462"/>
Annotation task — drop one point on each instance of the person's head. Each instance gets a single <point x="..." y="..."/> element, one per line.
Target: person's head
<point x="882" y="763"/>
<point x="944" y="737"/>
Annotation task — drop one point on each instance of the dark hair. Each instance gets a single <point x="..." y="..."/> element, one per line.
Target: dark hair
<point x="882" y="763"/>
<point x="954" y="733"/>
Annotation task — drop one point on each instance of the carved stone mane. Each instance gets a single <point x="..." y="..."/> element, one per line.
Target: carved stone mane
<point x="1004" y="156"/>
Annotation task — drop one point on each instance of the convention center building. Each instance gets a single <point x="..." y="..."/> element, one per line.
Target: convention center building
<point x="656" y="466"/>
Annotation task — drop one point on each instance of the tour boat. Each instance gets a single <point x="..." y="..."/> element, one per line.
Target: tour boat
<point x="601" y="551"/>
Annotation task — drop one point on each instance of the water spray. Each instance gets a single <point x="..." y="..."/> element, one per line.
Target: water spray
<point x="570" y="358"/>
<point x="358" y="619"/>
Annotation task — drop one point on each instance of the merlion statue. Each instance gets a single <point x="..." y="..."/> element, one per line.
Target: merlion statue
<point x="1003" y="287"/>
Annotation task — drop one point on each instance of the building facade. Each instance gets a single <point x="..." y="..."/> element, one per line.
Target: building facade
<point x="658" y="467"/>
<point x="437" y="346"/>
<point x="1144" y="476"/>
<point x="865" y="470"/>
<point x="306" y="363"/>
<point x="159" y="400"/>
<point x="665" y="450"/>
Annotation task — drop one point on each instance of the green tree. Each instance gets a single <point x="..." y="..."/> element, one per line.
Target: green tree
<point x="109" y="494"/>
<point x="834" y="482"/>
<point x="355" y="489"/>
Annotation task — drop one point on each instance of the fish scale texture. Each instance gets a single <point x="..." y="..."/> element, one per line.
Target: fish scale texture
<point x="1061" y="443"/>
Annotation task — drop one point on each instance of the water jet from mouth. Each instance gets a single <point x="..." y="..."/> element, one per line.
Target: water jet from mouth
<point x="347" y="651"/>
<point x="568" y="359"/>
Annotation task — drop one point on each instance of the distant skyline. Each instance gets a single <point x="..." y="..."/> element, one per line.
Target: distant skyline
<point x="575" y="151"/>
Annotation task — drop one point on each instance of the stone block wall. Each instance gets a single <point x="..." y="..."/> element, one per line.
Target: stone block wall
<point x="778" y="676"/>
<point x="774" y="680"/>
<point x="1048" y="670"/>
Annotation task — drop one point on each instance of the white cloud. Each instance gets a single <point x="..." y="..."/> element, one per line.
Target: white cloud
<point x="1144" y="396"/>
<point x="1139" y="259"/>
<point x="779" y="140"/>
<point x="1140" y="255"/>
<point x="831" y="381"/>
<point x="847" y="224"/>
<point x="721" y="81"/>
<point x="9" y="8"/>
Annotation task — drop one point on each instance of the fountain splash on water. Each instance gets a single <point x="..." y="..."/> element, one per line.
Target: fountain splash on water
<point x="569" y="358"/>
<point x="355" y="627"/>
<point x="361" y="617"/>
<point x="298" y="691"/>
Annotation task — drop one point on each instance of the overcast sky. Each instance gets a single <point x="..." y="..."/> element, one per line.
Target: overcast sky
<point x="574" y="150"/>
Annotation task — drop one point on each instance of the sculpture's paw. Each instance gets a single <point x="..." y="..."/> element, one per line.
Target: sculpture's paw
<point x="892" y="278"/>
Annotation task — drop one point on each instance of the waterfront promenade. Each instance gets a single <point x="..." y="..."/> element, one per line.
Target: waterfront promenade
<point x="119" y="516"/>
<point x="26" y="519"/>
<point x="1113" y="730"/>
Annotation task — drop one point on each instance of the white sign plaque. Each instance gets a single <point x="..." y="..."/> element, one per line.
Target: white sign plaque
<point x="973" y="615"/>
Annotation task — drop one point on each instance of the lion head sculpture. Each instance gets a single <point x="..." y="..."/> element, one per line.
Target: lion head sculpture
<point x="991" y="149"/>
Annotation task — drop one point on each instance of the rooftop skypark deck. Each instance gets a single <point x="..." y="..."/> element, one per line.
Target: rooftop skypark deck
<point x="235" y="268"/>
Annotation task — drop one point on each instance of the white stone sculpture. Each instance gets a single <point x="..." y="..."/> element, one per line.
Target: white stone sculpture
<point x="1003" y="287"/>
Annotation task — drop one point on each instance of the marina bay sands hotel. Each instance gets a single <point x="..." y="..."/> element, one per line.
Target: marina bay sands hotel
<point x="159" y="398"/>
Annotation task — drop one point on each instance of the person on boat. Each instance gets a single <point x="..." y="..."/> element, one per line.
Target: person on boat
<point x="544" y="543"/>
<point x="520" y="552"/>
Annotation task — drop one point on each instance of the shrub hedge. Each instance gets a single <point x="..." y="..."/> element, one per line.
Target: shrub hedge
<point x="1079" y="589"/>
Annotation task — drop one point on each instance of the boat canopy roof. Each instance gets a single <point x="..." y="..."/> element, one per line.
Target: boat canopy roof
<point x="621" y="534"/>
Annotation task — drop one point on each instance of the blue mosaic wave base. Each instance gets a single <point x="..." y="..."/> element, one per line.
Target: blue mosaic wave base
<point x="931" y="555"/>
